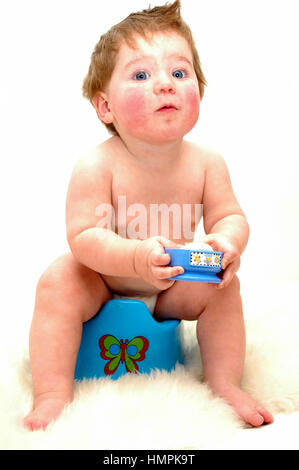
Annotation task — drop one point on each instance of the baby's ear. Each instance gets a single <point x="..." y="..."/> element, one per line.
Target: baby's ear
<point x="100" y="102"/>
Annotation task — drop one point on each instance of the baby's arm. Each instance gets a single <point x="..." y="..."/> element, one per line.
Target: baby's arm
<point x="90" y="186"/>
<point x="102" y="249"/>
<point x="224" y="221"/>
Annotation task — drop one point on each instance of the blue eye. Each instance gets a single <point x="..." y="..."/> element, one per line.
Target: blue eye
<point x="141" y="76"/>
<point x="179" y="74"/>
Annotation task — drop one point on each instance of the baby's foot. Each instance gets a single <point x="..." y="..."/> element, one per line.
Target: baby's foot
<point x="245" y="406"/>
<point x="46" y="409"/>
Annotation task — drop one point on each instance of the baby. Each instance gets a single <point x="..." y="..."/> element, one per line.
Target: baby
<point x="146" y="84"/>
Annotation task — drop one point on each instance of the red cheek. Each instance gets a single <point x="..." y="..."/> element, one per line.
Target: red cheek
<point x="132" y="109"/>
<point x="193" y="99"/>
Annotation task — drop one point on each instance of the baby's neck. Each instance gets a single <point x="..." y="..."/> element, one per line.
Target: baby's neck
<point x="154" y="156"/>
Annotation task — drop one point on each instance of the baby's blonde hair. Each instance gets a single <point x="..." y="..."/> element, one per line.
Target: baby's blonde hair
<point x="157" y="19"/>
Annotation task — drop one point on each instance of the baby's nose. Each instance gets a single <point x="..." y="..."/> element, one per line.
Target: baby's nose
<point x="164" y="84"/>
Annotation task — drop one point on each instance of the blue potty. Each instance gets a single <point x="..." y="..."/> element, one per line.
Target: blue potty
<point x="125" y="338"/>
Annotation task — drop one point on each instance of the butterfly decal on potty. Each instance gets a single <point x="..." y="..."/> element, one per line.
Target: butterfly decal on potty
<point x="122" y="351"/>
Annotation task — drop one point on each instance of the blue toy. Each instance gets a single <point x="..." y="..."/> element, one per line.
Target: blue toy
<point x="199" y="265"/>
<point x="124" y="338"/>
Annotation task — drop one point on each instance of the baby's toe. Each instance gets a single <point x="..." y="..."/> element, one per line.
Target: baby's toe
<point x="35" y="424"/>
<point x="254" y="418"/>
<point x="268" y="418"/>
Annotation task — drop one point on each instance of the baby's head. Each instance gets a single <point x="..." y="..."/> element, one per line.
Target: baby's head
<point x="162" y="19"/>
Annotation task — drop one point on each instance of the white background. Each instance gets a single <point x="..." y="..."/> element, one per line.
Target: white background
<point x="249" y="53"/>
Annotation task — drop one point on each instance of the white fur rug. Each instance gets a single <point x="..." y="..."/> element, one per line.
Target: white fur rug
<point x="167" y="411"/>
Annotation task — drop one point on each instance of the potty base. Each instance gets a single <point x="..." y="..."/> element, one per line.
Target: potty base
<point x="125" y="338"/>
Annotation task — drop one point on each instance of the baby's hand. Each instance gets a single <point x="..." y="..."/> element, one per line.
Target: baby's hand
<point x="231" y="256"/>
<point x="151" y="262"/>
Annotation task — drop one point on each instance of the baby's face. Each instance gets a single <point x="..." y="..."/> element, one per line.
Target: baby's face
<point x="153" y="93"/>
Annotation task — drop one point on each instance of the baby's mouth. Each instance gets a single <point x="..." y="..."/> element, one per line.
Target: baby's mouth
<point x="167" y="108"/>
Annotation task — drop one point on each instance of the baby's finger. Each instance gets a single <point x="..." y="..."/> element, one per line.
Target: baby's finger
<point x="169" y="243"/>
<point x="228" y="274"/>
<point x="214" y="243"/>
<point x="229" y="257"/>
<point x="159" y="259"/>
<point x="166" y="273"/>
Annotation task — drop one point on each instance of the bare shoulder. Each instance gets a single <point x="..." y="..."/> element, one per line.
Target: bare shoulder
<point x="89" y="186"/>
<point x="213" y="161"/>
<point x="202" y="153"/>
<point x="93" y="171"/>
<point x="96" y="160"/>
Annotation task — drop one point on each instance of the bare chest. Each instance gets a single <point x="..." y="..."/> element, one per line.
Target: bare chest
<point x="153" y="203"/>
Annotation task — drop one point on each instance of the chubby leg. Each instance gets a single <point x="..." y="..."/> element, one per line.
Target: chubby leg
<point x="221" y="337"/>
<point x="67" y="295"/>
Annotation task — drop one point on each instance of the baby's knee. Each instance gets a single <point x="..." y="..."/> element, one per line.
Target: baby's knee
<point x="58" y="277"/>
<point x="204" y="296"/>
<point x="68" y="287"/>
<point x="54" y="271"/>
<point x="192" y="301"/>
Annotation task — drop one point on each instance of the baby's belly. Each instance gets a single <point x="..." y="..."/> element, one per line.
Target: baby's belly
<point x="129" y="286"/>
